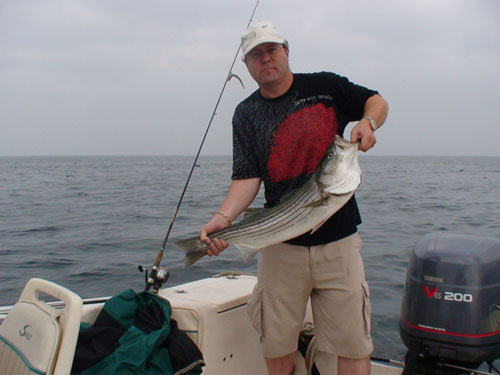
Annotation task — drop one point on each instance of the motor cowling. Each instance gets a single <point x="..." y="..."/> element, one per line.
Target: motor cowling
<point x="451" y="305"/>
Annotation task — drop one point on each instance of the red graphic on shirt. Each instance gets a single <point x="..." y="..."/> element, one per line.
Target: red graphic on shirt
<point x="301" y="142"/>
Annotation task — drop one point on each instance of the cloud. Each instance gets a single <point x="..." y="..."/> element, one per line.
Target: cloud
<point x="128" y="77"/>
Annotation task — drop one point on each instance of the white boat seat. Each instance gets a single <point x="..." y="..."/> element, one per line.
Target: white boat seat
<point x="36" y="338"/>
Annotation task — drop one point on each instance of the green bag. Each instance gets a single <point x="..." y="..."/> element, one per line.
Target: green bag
<point x="132" y="336"/>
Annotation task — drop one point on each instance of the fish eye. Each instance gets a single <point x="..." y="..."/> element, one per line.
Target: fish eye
<point x="330" y="155"/>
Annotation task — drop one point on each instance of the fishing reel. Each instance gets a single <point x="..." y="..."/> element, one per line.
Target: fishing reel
<point x="156" y="278"/>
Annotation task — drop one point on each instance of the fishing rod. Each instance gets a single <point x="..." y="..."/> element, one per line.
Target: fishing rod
<point x="158" y="274"/>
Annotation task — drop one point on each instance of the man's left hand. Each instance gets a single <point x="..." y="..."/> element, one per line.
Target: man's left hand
<point x="363" y="133"/>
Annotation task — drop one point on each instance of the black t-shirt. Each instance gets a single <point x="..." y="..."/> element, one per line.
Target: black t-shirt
<point x="283" y="140"/>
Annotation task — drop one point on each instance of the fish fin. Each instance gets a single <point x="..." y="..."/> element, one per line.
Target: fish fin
<point x="319" y="202"/>
<point x="247" y="252"/>
<point x="193" y="248"/>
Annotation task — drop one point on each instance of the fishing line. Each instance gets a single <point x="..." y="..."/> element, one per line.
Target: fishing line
<point x="151" y="280"/>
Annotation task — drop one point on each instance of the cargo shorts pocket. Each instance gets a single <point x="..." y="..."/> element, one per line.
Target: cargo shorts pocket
<point x="254" y="309"/>
<point x="367" y="310"/>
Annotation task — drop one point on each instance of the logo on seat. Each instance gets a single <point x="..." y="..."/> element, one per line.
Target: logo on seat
<point x="26" y="332"/>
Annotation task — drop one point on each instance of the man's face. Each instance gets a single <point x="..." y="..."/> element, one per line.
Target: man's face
<point x="268" y="63"/>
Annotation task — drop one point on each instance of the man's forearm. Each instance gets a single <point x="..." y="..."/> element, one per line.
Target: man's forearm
<point x="240" y="195"/>
<point x="376" y="108"/>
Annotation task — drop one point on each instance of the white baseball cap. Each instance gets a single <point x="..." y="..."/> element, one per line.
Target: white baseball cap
<point x="259" y="33"/>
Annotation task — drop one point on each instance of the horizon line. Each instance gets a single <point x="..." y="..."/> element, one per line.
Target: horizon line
<point x="229" y="155"/>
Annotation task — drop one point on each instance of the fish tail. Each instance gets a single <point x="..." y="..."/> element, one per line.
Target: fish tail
<point x="193" y="249"/>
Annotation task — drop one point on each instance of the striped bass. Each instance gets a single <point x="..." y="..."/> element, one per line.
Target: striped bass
<point x="304" y="209"/>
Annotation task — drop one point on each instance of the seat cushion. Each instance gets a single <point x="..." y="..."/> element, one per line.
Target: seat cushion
<point x="29" y="339"/>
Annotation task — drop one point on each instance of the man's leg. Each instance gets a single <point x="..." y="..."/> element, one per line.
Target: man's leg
<point x="341" y="305"/>
<point x="347" y="366"/>
<point x="278" y="303"/>
<point x="281" y="365"/>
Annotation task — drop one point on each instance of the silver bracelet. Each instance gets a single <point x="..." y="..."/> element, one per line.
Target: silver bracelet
<point x="372" y="122"/>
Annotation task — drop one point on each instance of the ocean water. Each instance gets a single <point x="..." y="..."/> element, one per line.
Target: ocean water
<point x="88" y="222"/>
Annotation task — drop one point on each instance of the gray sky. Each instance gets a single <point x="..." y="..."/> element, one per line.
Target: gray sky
<point x="98" y="77"/>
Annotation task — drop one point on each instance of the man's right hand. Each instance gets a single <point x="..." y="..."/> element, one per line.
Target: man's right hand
<point x="217" y="245"/>
<point x="241" y="193"/>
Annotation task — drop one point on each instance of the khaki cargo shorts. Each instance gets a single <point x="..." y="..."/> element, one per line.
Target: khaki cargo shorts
<point x="333" y="276"/>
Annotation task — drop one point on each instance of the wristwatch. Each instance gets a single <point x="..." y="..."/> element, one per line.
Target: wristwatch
<point x="372" y="122"/>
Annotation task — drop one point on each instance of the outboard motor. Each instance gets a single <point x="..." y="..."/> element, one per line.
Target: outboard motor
<point x="450" y="311"/>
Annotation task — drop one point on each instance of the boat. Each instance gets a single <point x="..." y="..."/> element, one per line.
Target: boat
<point x="39" y="337"/>
<point x="204" y="309"/>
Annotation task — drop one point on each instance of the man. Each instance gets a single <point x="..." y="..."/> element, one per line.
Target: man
<point x="280" y="134"/>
